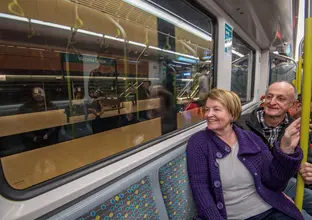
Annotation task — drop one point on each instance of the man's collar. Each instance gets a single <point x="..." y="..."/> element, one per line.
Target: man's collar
<point x="260" y="115"/>
<point x="286" y="120"/>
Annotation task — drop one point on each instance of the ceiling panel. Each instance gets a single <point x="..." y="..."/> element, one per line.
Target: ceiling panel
<point x="269" y="22"/>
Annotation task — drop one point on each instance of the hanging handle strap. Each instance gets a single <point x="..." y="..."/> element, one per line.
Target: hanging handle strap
<point x="15" y="8"/>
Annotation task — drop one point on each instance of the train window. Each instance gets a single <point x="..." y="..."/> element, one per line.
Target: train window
<point x="281" y="69"/>
<point x="81" y="81"/>
<point x="242" y="76"/>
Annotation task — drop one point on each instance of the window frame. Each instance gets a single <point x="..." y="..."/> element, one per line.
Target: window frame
<point x="253" y="74"/>
<point x="21" y="195"/>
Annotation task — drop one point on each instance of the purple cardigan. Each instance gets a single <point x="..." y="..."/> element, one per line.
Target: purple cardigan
<point x="270" y="173"/>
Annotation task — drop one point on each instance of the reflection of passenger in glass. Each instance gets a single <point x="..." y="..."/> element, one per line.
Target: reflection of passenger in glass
<point x="143" y="90"/>
<point x="166" y="109"/>
<point x="203" y="80"/>
<point x="101" y="87"/>
<point x="233" y="175"/>
<point x="239" y="80"/>
<point x="79" y="94"/>
<point x="38" y="103"/>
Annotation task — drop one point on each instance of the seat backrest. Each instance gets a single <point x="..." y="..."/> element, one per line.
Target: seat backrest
<point x="175" y="189"/>
<point x="159" y="190"/>
<point x="133" y="202"/>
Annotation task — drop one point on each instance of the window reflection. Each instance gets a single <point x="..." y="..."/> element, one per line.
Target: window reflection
<point x="87" y="87"/>
<point x="282" y="69"/>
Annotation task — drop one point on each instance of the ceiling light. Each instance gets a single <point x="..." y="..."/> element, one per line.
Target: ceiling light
<point x="167" y="17"/>
<point x="137" y="44"/>
<point x="237" y="53"/>
<point x="181" y="63"/>
<point x="34" y="21"/>
<point x="155" y="48"/>
<point x="186" y="55"/>
<point x="13" y="17"/>
<point x="114" y="38"/>
<point x="89" y="33"/>
<point x="188" y="60"/>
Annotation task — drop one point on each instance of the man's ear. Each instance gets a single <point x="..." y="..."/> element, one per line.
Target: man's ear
<point x="294" y="103"/>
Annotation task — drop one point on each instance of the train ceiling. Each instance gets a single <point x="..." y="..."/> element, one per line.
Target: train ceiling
<point x="270" y="22"/>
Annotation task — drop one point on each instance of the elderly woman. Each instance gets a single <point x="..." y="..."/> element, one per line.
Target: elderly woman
<point x="232" y="173"/>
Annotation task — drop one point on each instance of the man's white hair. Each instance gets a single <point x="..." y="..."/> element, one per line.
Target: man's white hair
<point x="295" y="90"/>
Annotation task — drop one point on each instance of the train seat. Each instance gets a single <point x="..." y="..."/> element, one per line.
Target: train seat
<point x="175" y="189"/>
<point x="133" y="202"/>
<point x="159" y="191"/>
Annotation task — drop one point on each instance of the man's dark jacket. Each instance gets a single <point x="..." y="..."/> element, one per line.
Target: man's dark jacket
<point x="250" y="122"/>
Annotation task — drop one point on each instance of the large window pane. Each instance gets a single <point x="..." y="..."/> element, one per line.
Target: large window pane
<point x="81" y="82"/>
<point x="242" y="77"/>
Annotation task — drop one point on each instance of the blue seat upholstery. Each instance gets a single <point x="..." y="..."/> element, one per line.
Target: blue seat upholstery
<point x="135" y="202"/>
<point x="175" y="189"/>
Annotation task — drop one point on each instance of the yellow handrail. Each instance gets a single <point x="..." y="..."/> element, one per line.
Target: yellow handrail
<point x="306" y="99"/>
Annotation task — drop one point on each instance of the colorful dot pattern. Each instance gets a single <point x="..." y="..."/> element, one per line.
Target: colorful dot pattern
<point x="135" y="202"/>
<point x="175" y="189"/>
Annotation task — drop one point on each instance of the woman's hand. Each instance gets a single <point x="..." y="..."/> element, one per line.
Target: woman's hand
<point x="291" y="137"/>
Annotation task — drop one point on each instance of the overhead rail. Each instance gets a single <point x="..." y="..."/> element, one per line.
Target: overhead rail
<point x="185" y="88"/>
<point x="40" y="78"/>
<point x="283" y="57"/>
<point x="241" y="59"/>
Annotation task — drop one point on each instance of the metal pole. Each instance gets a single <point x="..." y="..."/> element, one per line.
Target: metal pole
<point x="306" y="99"/>
<point x="299" y="67"/>
<point x="136" y="79"/>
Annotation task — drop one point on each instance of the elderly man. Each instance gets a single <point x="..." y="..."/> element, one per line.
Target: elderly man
<point x="270" y="123"/>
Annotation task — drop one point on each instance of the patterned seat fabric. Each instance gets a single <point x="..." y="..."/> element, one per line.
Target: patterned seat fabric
<point x="175" y="189"/>
<point x="135" y="202"/>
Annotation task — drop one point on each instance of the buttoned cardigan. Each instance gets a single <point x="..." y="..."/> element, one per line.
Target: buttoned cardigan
<point x="270" y="171"/>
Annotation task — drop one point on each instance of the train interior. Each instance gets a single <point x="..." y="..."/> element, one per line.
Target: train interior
<point x="99" y="98"/>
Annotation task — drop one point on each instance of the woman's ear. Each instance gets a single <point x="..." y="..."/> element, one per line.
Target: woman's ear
<point x="232" y="120"/>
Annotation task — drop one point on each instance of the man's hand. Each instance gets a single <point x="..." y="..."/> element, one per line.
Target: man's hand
<point x="306" y="173"/>
<point x="291" y="137"/>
